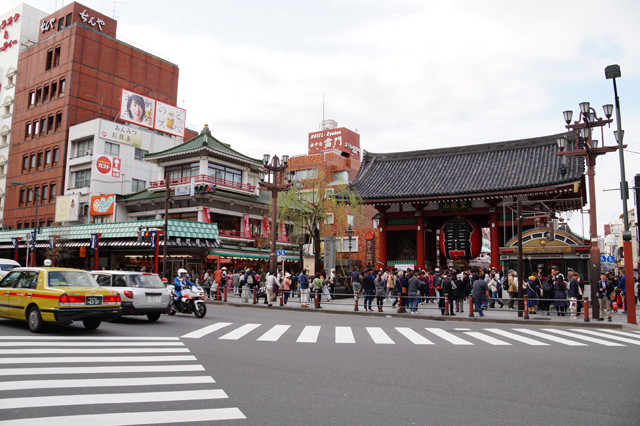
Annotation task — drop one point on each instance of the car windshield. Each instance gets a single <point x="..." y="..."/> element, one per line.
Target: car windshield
<point x="71" y="278"/>
<point x="146" y="281"/>
<point x="6" y="267"/>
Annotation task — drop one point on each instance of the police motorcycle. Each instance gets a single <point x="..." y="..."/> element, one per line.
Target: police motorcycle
<point x="192" y="299"/>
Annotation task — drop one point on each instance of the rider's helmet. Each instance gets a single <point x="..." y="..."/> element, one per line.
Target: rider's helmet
<point x="47" y="262"/>
<point x="182" y="271"/>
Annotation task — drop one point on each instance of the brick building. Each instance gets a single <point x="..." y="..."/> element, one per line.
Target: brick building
<point x="334" y="155"/>
<point x="75" y="72"/>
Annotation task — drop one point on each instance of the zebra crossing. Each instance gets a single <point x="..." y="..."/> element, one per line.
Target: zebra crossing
<point x="42" y="376"/>
<point x="574" y="337"/>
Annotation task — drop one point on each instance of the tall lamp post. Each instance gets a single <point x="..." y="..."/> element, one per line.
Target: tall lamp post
<point x="32" y="261"/>
<point x="583" y="145"/>
<point x="276" y="174"/>
<point x="350" y="236"/>
<point x="612" y="72"/>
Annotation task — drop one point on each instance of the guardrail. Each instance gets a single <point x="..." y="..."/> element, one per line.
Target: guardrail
<point x="199" y="179"/>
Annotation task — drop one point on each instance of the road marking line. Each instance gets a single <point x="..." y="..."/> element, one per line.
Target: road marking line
<point x="548" y="337"/>
<point x="110" y="398"/>
<point x="462" y="329"/>
<point x="92" y="351"/>
<point x="309" y="334"/>
<point x="88" y="344"/>
<point x="22" y="371"/>
<point x="490" y="340"/>
<point x="274" y="333"/>
<point x="414" y="337"/>
<point x="94" y="359"/>
<point x="239" y="332"/>
<point x="85" y="338"/>
<point x="138" y="418"/>
<point x="99" y="383"/>
<point x="622" y="333"/>
<point x="205" y="330"/>
<point x="379" y="337"/>
<point x="581" y="337"/>
<point x="608" y="336"/>
<point x="344" y="335"/>
<point x="448" y="336"/>
<point x="516" y="337"/>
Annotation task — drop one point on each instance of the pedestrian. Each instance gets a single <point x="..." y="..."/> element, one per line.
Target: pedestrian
<point x="533" y="293"/>
<point x="317" y="287"/>
<point x="355" y="283"/>
<point x="574" y="292"/>
<point x="547" y="293"/>
<point x="206" y="285"/>
<point x="303" y="283"/>
<point x="391" y="286"/>
<point x="403" y="291"/>
<point x="462" y="291"/>
<point x="381" y="287"/>
<point x="493" y="289"/>
<point x="286" y="287"/>
<point x="271" y="284"/>
<point x="448" y="289"/>
<point x="604" y="292"/>
<point x="368" y="287"/>
<point x="413" y="292"/>
<point x="512" y="287"/>
<point x="480" y="294"/>
<point x="235" y="281"/>
<point x="560" y="297"/>
<point x="622" y="293"/>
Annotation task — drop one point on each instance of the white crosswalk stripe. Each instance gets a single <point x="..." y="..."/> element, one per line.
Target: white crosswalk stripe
<point x="451" y="338"/>
<point x="143" y="377"/>
<point x="274" y="333"/>
<point x="309" y="334"/>
<point x="379" y="337"/>
<point x="206" y="330"/>
<point x="516" y="337"/>
<point x="549" y="337"/>
<point x="623" y="333"/>
<point x="240" y="332"/>
<point x="344" y="335"/>
<point x="607" y="336"/>
<point x="414" y="337"/>
<point x="582" y="337"/>
<point x="486" y="338"/>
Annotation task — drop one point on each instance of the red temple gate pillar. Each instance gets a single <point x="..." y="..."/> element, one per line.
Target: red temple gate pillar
<point x="495" y="239"/>
<point x="420" y="243"/>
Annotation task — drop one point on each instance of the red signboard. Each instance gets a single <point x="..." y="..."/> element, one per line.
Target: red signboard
<point x="267" y="227"/>
<point x="207" y="214"/>
<point x="115" y="167"/>
<point x="246" y="226"/>
<point x="460" y="239"/>
<point x="103" y="164"/>
<point x="340" y="139"/>
<point x="283" y="232"/>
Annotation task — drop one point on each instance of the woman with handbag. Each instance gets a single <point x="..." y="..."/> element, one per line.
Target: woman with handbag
<point x="560" y="297"/>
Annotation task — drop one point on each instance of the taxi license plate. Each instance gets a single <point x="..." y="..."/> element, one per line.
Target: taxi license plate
<point x="153" y="299"/>
<point x="93" y="300"/>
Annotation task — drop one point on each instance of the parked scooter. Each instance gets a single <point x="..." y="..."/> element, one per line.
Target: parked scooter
<point x="192" y="301"/>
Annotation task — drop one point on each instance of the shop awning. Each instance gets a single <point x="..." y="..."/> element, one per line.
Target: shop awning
<point x="250" y="255"/>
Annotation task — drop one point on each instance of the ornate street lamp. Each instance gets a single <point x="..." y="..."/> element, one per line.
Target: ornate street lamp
<point x="275" y="179"/>
<point x="586" y="147"/>
<point x="350" y="236"/>
<point x="612" y="72"/>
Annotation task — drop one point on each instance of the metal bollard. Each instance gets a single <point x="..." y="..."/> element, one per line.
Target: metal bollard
<point x="526" y="307"/>
<point x="245" y="293"/>
<point x="218" y="293"/>
<point x="281" y="297"/>
<point x="586" y="309"/>
<point x="470" y="306"/>
<point x="355" y="298"/>
<point x="255" y="296"/>
<point x="225" y="294"/>
<point x="400" y="302"/>
<point x="317" y="300"/>
<point x="446" y="304"/>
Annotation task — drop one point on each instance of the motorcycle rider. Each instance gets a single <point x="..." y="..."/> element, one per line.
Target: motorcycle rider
<point x="180" y="281"/>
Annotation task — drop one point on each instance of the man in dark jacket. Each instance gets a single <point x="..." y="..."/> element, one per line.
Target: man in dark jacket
<point x="447" y="289"/>
<point x="573" y="294"/>
<point x="605" y="290"/>
<point x="413" y="287"/>
<point x="368" y="286"/>
<point x="461" y="294"/>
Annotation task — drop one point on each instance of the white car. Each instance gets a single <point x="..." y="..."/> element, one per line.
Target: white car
<point x="141" y="293"/>
<point x="7" y="265"/>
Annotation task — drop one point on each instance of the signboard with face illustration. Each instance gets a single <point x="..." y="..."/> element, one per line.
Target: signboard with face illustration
<point x="170" y="119"/>
<point x="137" y="109"/>
<point x="340" y="139"/>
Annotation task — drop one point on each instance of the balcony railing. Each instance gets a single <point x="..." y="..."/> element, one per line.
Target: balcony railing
<point x="246" y="235"/>
<point x="199" y="179"/>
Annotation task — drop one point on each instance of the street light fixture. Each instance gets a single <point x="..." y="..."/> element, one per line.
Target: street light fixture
<point x="36" y="195"/>
<point x="350" y="236"/>
<point x="612" y="72"/>
<point x="270" y="181"/>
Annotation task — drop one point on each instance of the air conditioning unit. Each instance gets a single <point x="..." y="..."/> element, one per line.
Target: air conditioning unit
<point x="89" y="152"/>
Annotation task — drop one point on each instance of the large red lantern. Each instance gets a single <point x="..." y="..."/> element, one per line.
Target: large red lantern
<point x="460" y="239"/>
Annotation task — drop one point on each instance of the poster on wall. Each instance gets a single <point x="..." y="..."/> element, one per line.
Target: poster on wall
<point x="107" y="166"/>
<point x="120" y="133"/>
<point x="67" y="208"/>
<point x="267" y="226"/>
<point x="102" y="205"/>
<point x="170" y="119"/>
<point x="207" y="214"/>
<point x="283" y="232"/>
<point x="138" y="109"/>
<point x="246" y="225"/>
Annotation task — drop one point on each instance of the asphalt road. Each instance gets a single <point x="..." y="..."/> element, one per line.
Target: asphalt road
<point x="388" y="371"/>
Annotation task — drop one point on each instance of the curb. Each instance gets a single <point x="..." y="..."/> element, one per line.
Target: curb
<point x="457" y="318"/>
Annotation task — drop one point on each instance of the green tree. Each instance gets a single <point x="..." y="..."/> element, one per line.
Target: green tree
<point x="309" y="203"/>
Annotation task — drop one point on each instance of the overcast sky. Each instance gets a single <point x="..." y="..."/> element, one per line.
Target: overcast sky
<point x="406" y="74"/>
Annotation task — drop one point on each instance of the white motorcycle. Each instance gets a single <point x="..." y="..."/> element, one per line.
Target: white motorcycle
<point x="192" y="301"/>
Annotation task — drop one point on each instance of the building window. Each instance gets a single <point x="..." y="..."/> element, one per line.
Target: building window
<point x="45" y="193"/>
<point x="55" y="156"/>
<point x="37" y="193"/>
<point x="22" y="195"/>
<point x="53" y="191"/>
<point x="49" y="222"/>
<point x="60" y="23"/>
<point x="38" y="96"/>
<point x="192" y="216"/>
<point x="341" y="177"/>
<point x="27" y="131"/>
<point x="43" y="126"/>
<point x="68" y="20"/>
<point x="58" y="121"/>
<point x="32" y="98"/>
<point x="227" y="223"/>
<point x="112" y="149"/>
<point x="54" y="89"/>
<point x="138" y="185"/>
<point x="183" y="170"/>
<point x="84" y="147"/>
<point x="56" y="57"/>
<point x="329" y="220"/>
<point x="36" y="128"/>
<point x="45" y="94"/>
<point x="29" y="197"/>
<point x="50" y="124"/>
<point x="305" y="174"/>
<point x="350" y="219"/>
<point x="19" y="225"/>
<point x="376" y="223"/>
<point x="103" y="218"/>
<point x="82" y="178"/>
<point x="47" y="157"/>
<point x="32" y="161"/>
<point x="342" y="245"/>
<point x="49" y="60"/>
<point x="62" y="86"/>
<point x="25" y="163"/>
<point x="225" y="173"/>
<point x="40" y="159"/>
<point x="140" y="153"/>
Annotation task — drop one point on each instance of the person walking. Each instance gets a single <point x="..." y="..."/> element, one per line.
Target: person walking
<point x="560" y="297"/>
<point x="317" y="287"/>
<point x="462" y="292"/>
<point x="206" y="285"/>
<point x="533" y="293"/>
<point x="235" y="282"/>
<point x="605" y="290"/>
<point x="381" y="287"/>
<point x="448" y="289"/>
<point x="403" y="291"/>
<point x="413" y="291"/>
<point x="303" y="282"/>
<point x="512" y="287"/>
<point x="271" y="285"/>
<point x="391" y="286"/>
<point x="547" y="293"/>
<point x="480" y="294"/>
<point x="286" y="287"/>
<point x="574" y="293"/>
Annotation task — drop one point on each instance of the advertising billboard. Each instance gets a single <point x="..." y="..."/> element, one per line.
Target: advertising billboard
<point x="67" y="208"/>
<point x="120" y="133"/>
<point x="102" y="205"/>
<point x="137" y="109"/>
<point x="106" y="166"/>
<point x="149" y="112"/>
<point x="340" y="139"/>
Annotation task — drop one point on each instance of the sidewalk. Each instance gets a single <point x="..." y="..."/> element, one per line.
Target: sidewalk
<point x="430" y="311"/>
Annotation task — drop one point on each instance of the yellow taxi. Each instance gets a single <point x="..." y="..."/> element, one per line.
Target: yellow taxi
<point x="58" y="295"/>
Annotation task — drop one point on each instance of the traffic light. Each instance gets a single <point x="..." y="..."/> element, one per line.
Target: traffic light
<point x="139" y="236"/>
<point x="204" y="188"/>
<point x="146" y="236"/>
<point x="83" y="251"/>
<point x="550" y="234"/>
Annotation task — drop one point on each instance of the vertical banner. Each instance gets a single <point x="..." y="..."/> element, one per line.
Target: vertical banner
<point x="283" y="232"/>
<point x="267" y="226"/>
<point x="152" y="239"/>
<point x="369" y="254"/>
<point x="246" y="226"/>
<point x="14" y="241"/>
<point x="207" y="214"/>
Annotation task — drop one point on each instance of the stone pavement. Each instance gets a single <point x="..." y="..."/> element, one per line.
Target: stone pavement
<point x="430" y="311"/>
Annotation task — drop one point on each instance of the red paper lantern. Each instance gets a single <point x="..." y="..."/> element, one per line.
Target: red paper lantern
<point x="460" y="239"/>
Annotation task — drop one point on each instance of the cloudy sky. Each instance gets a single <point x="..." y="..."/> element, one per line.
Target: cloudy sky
<point x="407" y="74"/>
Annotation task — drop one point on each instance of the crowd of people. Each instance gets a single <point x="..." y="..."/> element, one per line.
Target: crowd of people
<point x="407" y="290"/>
